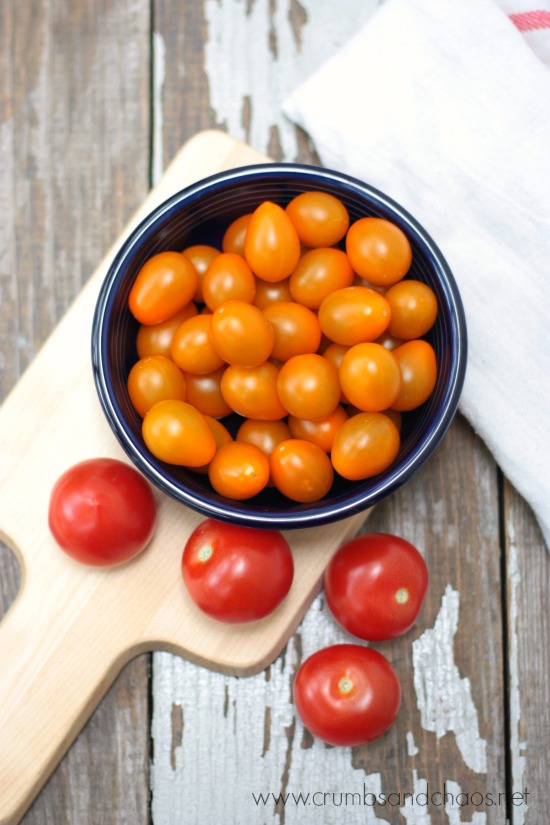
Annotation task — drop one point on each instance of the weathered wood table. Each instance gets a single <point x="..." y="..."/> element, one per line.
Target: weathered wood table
<point x="95" y="99"/>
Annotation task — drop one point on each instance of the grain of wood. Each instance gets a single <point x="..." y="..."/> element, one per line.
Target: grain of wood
<point x="455" y="525"/>
<point x="252" y="54"/>
<point x="71" y="619"/>
<point x="74" y="128"/>
<point x="528" y="586"/>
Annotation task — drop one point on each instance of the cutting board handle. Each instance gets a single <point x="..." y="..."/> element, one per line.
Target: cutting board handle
<point x="53" y="671"/>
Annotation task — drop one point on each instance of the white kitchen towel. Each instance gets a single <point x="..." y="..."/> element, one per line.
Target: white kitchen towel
<point x="443" y="105"/>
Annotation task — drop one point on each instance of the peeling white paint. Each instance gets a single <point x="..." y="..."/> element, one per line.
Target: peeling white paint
<point x="230" y="722"/>
<point x="443" y="696"/>
<point x="253" y="60"/>
<point x="517" y="747"/>
<point x="412" y="750"/>
<point x="417" y="814"/>
<point x="455" y="805"/>
<point x="197" y="771"/>
<point x="159" y="77"/>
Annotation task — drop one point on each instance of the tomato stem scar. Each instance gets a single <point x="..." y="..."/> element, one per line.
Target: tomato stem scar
<point x="205" y="552"/>
<point x="345" y="685"/>
<point x="402" y="595"/>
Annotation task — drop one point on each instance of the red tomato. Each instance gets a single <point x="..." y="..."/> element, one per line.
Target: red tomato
<point x="272" y="246"/>
<point x="375" y="586"/>
<point x="165" y="284"/>
<point x="320" y="219"/>
<point x="102" y="512"/>
<point x="236" y="574"/>
<point x="154" y="379"/>
<point x="347" y="695"/>
<point x="378" y="251"/>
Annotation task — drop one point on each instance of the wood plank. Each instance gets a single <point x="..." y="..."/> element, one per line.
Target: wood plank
<point x="74" y="619"/>
<point x="218" y="739"/>
<point x="527" y="586"/>
<point x="74" y="131"/>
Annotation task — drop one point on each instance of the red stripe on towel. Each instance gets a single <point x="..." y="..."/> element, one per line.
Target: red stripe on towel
<point x="530" y="20"/>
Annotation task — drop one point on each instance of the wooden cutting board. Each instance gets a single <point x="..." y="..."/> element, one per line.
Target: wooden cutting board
<point x="72" y="628"/>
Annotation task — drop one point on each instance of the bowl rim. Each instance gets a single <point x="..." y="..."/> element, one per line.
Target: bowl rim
<point x="315" y="513"/>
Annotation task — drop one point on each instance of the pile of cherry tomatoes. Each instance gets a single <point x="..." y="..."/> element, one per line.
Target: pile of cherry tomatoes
<point x="304" y="326"/>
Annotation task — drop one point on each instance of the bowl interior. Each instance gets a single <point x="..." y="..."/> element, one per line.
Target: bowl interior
<point x="200" y="214"/>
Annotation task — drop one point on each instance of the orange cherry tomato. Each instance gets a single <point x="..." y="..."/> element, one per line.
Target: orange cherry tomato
<point x="201" y="256"/>
<point x="252" y="391"/>
<point x="308" y="386"/>
<point x="320" y="272"/>
<point x="204" y="392"/>
<point x="177" y="433"/>
<point x="354" y="315"/>
<point x="413" y="309"/>
<point x="370" y="377"/>
<point x="239" y="471"/>
<point x="156" y="339"/>
<point x="365" y="445"/>
<point x="228" y="278"/>
<point x="357" y="281"/>
<point x="320" y="432"/>
<point x="301" y="470"/>
<point x="418" y="366"/>
<point x="378" y="251"/>
<point x="335" y="354"/>
<point x="164" y="285"/>
<point x="296" y="329"/>
<point x="241" y="334"/>
<point x="221" y="436"/>
<point x="264" y="434"/>
<point x="154" y="379"/>
<point x="192" y="348"/>
<point x="389" y="341"/>
<point x="272" y="246"/>
<point x="395" y="416"/>
<point x="320" y="219"/>
<point x="233" y="239"/>
<point x="268" y="293"/>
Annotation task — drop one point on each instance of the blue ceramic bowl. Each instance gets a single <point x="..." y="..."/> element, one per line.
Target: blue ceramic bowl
<point x="200" y="214"/>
